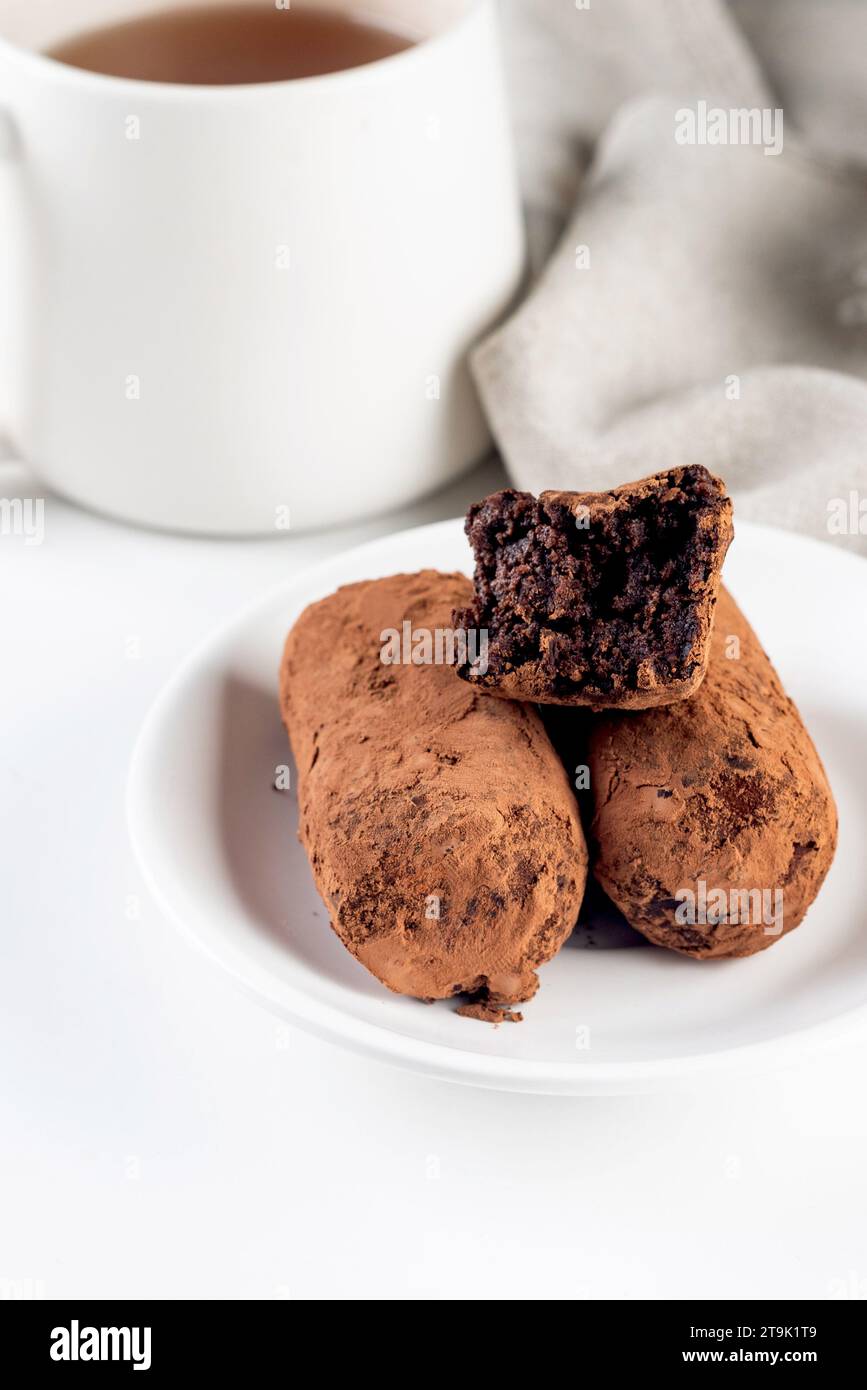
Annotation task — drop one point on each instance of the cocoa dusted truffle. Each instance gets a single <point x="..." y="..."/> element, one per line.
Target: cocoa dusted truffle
<point x="602" y="599"/>
<point x="440" y="825"/>
<point x="714" y="824"/>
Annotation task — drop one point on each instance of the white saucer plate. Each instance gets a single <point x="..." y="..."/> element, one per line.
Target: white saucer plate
<point x="218" y="847"/>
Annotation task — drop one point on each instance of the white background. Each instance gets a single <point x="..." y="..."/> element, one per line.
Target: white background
<point x="163" y="1136"/>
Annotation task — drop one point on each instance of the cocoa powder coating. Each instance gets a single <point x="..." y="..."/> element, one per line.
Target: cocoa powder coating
<point x="440" y="824"/>
<point x="724" y="789"/>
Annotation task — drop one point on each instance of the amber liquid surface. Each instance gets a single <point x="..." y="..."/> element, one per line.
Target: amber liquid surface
<point x="230" y="44"/>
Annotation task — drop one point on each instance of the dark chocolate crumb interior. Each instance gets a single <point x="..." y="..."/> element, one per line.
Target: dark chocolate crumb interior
<point x="596" y="603"/>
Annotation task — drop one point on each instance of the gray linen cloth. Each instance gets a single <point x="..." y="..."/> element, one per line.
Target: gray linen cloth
<point x="706" y="302"/>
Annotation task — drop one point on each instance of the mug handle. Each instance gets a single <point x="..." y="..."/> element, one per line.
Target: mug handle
<point x="10" y="149"/>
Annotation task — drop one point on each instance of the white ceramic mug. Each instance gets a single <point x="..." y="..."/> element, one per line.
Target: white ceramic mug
<point x="233" y="305"/>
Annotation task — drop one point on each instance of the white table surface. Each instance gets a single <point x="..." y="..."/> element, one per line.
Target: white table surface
<point x="163" y="1136"/>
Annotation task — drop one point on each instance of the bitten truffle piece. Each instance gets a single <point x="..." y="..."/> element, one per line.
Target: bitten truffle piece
<point x="714" y="824"/>
<point x="440" y="826"/>
<point x="597" y="598"/>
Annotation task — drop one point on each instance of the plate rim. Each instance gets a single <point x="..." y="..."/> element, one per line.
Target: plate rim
<point x="430" y="1058"/>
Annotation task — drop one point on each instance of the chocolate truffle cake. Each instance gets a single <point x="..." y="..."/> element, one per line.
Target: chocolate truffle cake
<point x="602" y="599"/>
<point x="440" y="825"/>
<point x="714" y="824"/>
